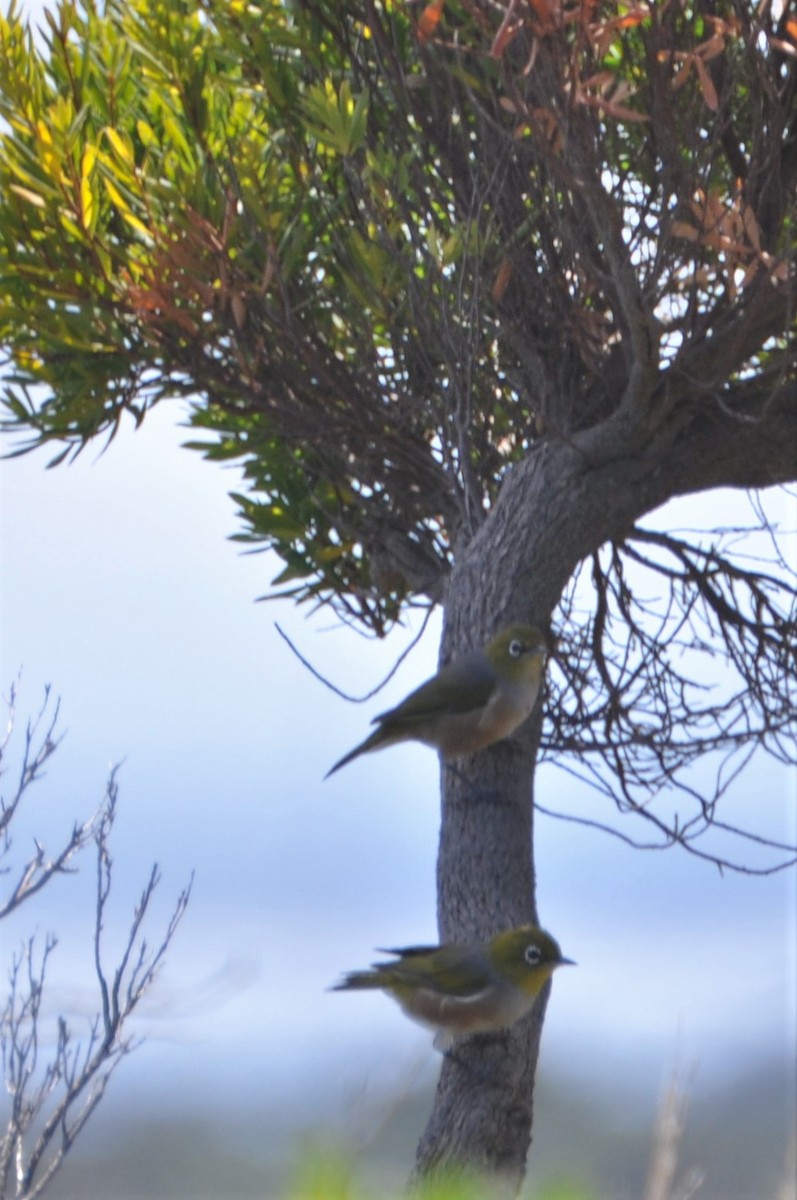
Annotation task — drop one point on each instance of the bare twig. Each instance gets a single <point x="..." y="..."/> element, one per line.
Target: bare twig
<point x="338" y="691"/>
<point x="688" y="654"/>
<point x="40" y="744"/>
<point x="53" y="1095"/>
<point x="667" y="1136"/>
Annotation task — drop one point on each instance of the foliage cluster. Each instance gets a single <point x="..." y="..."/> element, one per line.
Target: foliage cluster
<point x="383" y="247"/>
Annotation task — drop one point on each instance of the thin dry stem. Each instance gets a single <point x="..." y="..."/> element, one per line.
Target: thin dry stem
<point x="53" y="1094"/>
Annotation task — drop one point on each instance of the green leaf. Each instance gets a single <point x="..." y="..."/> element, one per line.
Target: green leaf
<point x="26" y="194"/>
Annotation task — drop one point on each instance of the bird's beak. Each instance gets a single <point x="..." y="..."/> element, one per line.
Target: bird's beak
<point x="567" y="962"/>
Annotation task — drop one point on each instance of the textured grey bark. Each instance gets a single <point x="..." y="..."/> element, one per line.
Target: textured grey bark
<point x="557" y="506"/>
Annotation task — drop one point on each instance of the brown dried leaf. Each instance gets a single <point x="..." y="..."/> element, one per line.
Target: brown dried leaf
<point x="784" y="47"/>
<point x="502" y="279"/>
<point x="598" y="81"/>
<point x="751" y="227"/>
<point x="710" y="49"/>
<point x="619" y="111"/>
<point x="238" y="307"/>
<point x="750" y="274"/>
<point x="506" y="32"/>
<point x="548" y="125"/>
<point x="429" y="20"/>
<point x="682" y="229"/>
<point x="605" y="33"/>
<point x="545" y="12"/>
<point x="622" y="112"/>
<point x="682" y="74"/>
<point x="706" y="85"/>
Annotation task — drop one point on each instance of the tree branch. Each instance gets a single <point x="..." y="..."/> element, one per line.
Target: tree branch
<point x="52" y="1100"/>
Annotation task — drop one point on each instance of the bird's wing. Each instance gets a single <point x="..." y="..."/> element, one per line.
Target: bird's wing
<point x="449" y="971"/>
<point x="460" y="687"/>
<point x="407" y="951"/>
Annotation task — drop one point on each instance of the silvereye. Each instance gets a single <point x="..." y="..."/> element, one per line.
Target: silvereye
<point x="480" y="987"/>
<point x="469" y="704"/>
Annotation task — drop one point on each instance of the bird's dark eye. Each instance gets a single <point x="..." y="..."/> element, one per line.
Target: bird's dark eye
<point x="515" y="648"/>
<point x="532" y="955"/>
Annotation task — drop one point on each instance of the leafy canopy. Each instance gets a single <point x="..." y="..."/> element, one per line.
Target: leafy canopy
<point x="388" y="250"/>
<point x="382" y="248"/>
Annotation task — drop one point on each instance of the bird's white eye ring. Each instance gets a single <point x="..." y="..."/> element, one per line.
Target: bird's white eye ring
<point x="515" y="648"/>
<point x="532" y="954"/>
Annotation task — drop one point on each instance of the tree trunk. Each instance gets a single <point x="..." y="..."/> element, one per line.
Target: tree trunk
<point x="557" y="506"/>
<point x="515" y="569"/>
<point x="483" y="1110"/>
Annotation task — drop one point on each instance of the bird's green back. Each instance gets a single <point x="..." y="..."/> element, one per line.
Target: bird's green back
<point x="459" y="687"/>
<point x="451" y="970"/>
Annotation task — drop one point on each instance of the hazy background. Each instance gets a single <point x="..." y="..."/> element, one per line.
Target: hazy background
<point x="120" y="589"/>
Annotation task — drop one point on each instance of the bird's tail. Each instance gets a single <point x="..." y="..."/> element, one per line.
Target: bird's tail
<point x="358" y="979"/>
<point x="370" y="743"/>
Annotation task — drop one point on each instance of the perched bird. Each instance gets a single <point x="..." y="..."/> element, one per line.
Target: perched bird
<point x="469" y="704"/>
<point x="479" y="987"/>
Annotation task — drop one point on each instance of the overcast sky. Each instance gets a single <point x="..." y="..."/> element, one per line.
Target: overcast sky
<point x="120" y="588"/>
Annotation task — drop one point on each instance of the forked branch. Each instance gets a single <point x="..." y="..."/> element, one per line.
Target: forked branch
<point x="681" y="650"/>
<point x="54" y="1092"/>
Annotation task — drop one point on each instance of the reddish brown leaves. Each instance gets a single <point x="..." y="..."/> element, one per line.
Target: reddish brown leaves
<point x="730" y="228"/>
<point x="429" y="20"/>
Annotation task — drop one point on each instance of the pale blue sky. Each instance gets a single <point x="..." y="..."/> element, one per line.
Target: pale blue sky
<point x="120" y="588"/>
